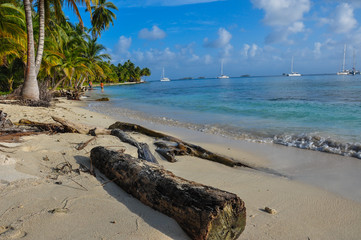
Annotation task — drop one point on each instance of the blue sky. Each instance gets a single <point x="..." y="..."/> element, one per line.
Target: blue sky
<point x="189" y="38"/>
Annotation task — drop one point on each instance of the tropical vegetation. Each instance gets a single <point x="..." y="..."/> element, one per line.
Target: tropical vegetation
<point x="43" y="47"/>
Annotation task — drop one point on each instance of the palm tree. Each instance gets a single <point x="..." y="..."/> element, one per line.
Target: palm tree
<point x="30" y="88"/>
<point x="12" y="32"/>
<point x="12" y="21"/>
<point x="102" y="16"/>
<point x="93" y="53"/>
<point x="145" y="72"/>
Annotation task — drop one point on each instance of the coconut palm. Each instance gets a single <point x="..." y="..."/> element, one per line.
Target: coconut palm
<point x="30" y="88"/>
<point x="102" y="16"/>
<point x="12" y="32"/>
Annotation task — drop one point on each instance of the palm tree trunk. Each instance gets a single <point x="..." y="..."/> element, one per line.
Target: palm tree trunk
<point x="58" y="84"/>
<point x="71" y="78"/>
<point x="30" y="89"/>
<point x="77" y="83"/>
<point x="82" y="82"/>
<point x="39" y="55"/>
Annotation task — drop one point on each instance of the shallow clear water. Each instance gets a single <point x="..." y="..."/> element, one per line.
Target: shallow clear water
<point x="314" y="112"/>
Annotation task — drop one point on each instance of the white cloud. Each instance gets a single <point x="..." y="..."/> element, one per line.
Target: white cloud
<point x="208" y="59"/>
<point x="194" y="58"/>
<point x="253" y="50"/>
<point x="155" y="55"/>
<point x="154" y="34"/>
<point x="296" y="27"/>
<point x="226" y="51"/>
<point x="124" y="44"/>
<point x="282" y="12"/>
<point x="250" y="51"/>
<point x="343" y="20"/>
<point x="317" y="49"/>
<point x="222" y="41"/>
<point x="285" y="16"/>
<point x="246" y="48"/>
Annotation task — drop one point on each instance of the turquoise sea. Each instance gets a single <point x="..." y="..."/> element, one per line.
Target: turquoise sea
<point x="320" y="112"/>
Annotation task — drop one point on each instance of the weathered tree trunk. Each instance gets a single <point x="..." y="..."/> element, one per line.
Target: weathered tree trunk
<point x="30" y="88"/>
<point x="202" y="211"/>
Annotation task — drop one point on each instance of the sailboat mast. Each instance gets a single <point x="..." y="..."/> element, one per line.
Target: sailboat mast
<point x="222" y="67"/>
<point x="292" y="65"/>
<point x="344" y="58"/>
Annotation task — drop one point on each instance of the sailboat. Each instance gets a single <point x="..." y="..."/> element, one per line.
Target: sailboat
<point x="293" y="74"/>
<point x="344" y="72"/>
<point x="222" y="76"/>
<point x="163" y="78"/>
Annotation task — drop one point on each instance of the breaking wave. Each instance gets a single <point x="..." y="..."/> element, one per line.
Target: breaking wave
<point x="321" y="144"/>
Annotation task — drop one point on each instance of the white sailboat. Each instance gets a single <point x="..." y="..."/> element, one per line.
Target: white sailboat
<point x="344" y="72"/>
<point x="222" y="76"/>
<point x="293" y="74"/>
<point x="163" y="78"/>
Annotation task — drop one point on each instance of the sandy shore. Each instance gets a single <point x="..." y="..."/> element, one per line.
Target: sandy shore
<point x="38" y="203"/>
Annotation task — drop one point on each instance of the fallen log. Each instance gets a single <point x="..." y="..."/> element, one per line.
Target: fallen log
<point x="42" y="126"/>
<point x="182" y="147"/>
<point x="203" y="212"/>
<point x="143" y="148"/>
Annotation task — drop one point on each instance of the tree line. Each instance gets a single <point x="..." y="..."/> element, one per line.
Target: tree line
<point x="39" y="45"/>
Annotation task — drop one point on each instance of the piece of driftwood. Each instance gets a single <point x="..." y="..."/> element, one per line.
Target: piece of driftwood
<point x="4" y="122"/>
<point x="143" y="148"/>
<point x="82" y="145"/>
<point x="15" y="137"/>
<point x="80" y="128"/>
<point x="51" y="127"/>
<point x="202" y="211"/>
<point x="167" y="153"/>
<point x="181" y="146"/>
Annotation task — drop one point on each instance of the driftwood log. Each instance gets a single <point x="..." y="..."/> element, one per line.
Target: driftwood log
<point x="179" y="147"/>
<point x="203" y="212"/>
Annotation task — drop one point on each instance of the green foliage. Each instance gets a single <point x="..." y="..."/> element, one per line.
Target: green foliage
<point x="72" y="55"/>
<point x="102" y="16"/>
<point x="129" y="73"/>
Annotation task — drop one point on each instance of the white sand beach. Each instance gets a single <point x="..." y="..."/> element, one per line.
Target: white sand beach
<point x="38" y="203"/>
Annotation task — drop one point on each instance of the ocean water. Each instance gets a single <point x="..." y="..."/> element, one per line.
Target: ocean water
<point x="321" y="112"/>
